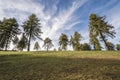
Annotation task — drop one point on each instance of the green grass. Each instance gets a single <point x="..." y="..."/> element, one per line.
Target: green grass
<point x="83" y="65"/>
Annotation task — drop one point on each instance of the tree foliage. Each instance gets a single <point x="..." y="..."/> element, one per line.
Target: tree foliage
<point x="85" y="47"/>
<point x="75" y="41"/>
<point x="100" y="30"/>
<point x="36" y="46"/>
<point x="15" y="42"/>
<point x="22" y="43"/>
<point x="9" y="29"/>
<point x="111" y="46"/>
<point x="63" y="41"/>
<point x="32" y="29"/>
<point x="118" y="47"/>
<point x="48" y="44"/>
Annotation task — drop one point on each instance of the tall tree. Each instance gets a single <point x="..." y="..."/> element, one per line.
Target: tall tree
<point x="1" y="34"/>
<point x="47" y="43"/>
<point x="36" y="46"/>
<point x="22" y="43"/>
<point x="100" y="30"/>
<point x="75" y="41"/>
<point x="93" y="32"/>
<point x="63" y="41"/>
<point x="32" y="29"/>
<point x="9" y="30"/>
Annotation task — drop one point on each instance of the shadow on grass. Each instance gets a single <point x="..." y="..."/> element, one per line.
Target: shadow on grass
<point x="24" y="67"/>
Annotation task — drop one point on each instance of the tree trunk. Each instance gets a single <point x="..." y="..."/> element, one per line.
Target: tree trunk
<point x="6" y="46"/>
<point x="28" y="49"/>
<point x="47" y="47"/>
<point x="104" y="40"/>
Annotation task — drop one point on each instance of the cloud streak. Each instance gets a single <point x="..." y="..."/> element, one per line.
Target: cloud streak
<point x="52" y="25"/>
<point x="58" y="19"/>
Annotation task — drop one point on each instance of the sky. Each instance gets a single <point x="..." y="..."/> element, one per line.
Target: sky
<point x="63" y="16"/>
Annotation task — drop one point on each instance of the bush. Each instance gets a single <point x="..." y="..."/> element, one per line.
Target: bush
<point x="118" y="47"/>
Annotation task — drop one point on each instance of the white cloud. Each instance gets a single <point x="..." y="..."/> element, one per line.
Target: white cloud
<point x="100" y="8"/>
<point x="59" y="22"/>
<point x="64" y="17"/>
<point x="113" y="18"/>
<point x="52" y="25"/>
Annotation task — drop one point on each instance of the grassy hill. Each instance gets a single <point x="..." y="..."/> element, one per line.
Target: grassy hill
<point x="83" y="65"/>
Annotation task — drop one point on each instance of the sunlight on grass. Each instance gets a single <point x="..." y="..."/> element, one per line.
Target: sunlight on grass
<point x="66" y="65"/>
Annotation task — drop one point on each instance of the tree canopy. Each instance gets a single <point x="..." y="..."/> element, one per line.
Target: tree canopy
<point x="32" y="29"/>
<point x="63" y="41"/>
<point x="9" y="29"/>
<point x="48" y="43"/>
<point x="100" y="30"/>
<point x="36" y="46"/>
<point x="75" y="41"/>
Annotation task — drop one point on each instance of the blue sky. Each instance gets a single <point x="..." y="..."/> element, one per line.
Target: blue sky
<point x="63" y="16"/>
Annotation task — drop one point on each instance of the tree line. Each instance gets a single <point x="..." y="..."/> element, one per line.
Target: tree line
<point x="99" y="32"/>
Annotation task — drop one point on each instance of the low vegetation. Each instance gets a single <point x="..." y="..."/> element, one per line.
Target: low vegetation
<point x="69" y="65"/>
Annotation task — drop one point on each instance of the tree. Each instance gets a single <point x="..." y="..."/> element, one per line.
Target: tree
<point x="1" y="34"/>
<point x="9" y="29"/>
<point x="110" y="45"/>
<point x="96" y="43"/>
<point x="32" y="29"/>
<point x="75" y="41"/>
<point x="63" y="41"/>
<point x="54" y="49"/>
<point x="100" y="29"/>
<point x="85" y="47"/>
<point x="93" y="33"/>
<point x="47" y="43"/>
<point x="59" y="49"/>
<point x="15" y="42"/>
<point x="36" y="46"/>
<point x="22" y="43"/>
<point x="118" y="47"/>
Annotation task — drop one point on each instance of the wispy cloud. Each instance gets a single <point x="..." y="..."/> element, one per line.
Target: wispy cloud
<point x="64" y="17"/>
<point x="62" y="21"/>
<point x="106" y="6"/>
<point x="56" y="20"/>
<point x="52" y="24"/>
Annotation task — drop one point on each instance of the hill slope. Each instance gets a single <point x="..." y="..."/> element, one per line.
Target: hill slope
<point x="83" y="65"/>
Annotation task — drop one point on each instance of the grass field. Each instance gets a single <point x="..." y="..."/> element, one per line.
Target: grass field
<point x="83" y="65"/>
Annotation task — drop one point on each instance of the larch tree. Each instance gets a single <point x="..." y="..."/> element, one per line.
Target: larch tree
<point x="36" y="46"/>
<point x="63" y="41"/>
<point x="22" y="44"/>
<point x="75" y="41"/>
<point x="100" y="30"/>
<point x="9" y="29"/>
<point x="48" y="43"/>
<point x="32" y="29"/>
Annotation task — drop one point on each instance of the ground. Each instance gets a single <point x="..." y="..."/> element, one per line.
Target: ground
<point x="69" y="65"/>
